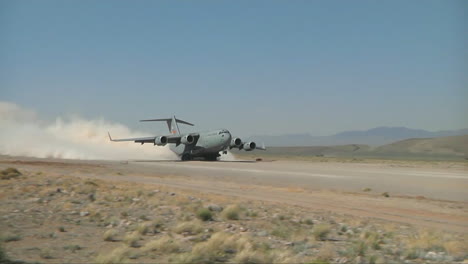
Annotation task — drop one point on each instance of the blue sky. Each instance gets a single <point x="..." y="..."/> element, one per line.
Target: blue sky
<point x="254" y="67"/>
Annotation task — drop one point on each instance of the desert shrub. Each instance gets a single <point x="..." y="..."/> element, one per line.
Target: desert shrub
<point x="385" y="194"/>
<point x="132" y="239"/>
<point x="413" y="253"/>
<point x="282" y="230"/>
<point x="367" y="189"/>
<point x="321" y="232"/>
<point x="90" y="182"/>
<point x="164" y="245"/>
<point x="192" y="228"/>
<point x="144" y="218"/>
<point x="219" y="248"/>
<point x="372" y="259"/>
<point x="9" y="173"/>
<point x="204" y="214"/>
<point x="143" y="228"/>
<point x="309" y="222"/>
<point x="361" y="248"/>
<point x="118" y="255"/>
<point x="110" y="235"/>
<point x="250" y="256"/>
<point x="429" y="241"/>
<point x="374" y="240"/>
<point x="232" y="212"/>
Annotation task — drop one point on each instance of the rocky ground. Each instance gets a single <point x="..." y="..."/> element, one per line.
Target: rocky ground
<point x="55" y="218"/>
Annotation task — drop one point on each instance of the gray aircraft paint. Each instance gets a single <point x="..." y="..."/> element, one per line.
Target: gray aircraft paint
<point x="203" y="144"/>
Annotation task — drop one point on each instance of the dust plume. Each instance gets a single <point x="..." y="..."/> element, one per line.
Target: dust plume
<point x="23" y="133"/>
<point x="227" y="157"/>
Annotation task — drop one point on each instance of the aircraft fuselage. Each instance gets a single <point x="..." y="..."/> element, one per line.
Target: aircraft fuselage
<point x="208" y="145"/>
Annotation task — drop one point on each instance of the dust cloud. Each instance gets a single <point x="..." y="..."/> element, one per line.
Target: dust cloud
<point x="24" y="133"/>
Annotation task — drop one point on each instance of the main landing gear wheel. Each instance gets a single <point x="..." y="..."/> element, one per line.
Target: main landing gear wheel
<point x="213" y="157"/>
<point x="186" y="157"/>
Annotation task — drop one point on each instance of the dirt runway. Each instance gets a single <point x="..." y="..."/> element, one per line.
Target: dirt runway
<point x="425" y="196"/>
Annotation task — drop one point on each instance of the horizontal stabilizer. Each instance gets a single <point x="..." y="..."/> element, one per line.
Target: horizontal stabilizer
<point x="167" y="119"/>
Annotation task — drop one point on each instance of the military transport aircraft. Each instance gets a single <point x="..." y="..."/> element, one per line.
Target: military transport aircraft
<point x="205" y="145"/>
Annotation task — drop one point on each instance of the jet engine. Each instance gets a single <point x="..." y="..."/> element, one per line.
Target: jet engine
<point x="249" y="146"/>
<point x="160" y="141"/>
<point x="236" y="143"/>
<point x="187" y="139"/>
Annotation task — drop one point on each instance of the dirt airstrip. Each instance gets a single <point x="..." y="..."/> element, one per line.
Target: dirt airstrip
<point x="107" y="212"/>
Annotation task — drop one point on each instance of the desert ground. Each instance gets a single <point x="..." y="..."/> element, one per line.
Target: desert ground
<point x="320" y="210"/>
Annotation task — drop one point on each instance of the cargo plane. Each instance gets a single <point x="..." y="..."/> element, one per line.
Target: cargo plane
<point x="205" y="145"/>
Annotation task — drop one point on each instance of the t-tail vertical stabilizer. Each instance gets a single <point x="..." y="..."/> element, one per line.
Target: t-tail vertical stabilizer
<point x="172" y="124"/>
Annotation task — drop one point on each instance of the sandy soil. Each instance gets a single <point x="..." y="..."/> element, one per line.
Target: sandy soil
<point x="336" y="187"/>
<point x="58" y="210"/>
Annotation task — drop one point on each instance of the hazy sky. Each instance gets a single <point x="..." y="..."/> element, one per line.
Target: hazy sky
<point x="254" y="67"/>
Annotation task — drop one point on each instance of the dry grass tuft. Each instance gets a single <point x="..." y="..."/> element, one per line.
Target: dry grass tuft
<point x="426" y="241"/>
<point x="192" y="227"/>
<point x="456" y="248"/>
<point x="132" y="239"/>
<point x="164" y="245"/>
<point x="46" y="254"/>
<point x="321" y="232"/>
<point x="219" y="248"/>
<point x="232" y="212"/>
<point x="9" y="173"/>
<point x="327" y="252"/>
<point x="144" y="228"/>
<point x="8" y="237"/>
<point x="110" y="235"/>
<point x="250" y="256"/>
<point x="118" y="255"/>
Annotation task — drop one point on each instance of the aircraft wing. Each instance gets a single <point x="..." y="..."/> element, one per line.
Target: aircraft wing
<point x="136" y="140"/>
<point x="175" y="139"/>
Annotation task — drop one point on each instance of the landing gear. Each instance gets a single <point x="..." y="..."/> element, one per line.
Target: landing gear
<point x="212" y="157"/>
<point x="186" y="157"/>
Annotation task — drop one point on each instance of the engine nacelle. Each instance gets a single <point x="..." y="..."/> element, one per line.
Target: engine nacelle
<point x="236" y="143"/>
<point x="160" y="141"/>
<point x="187" y="139"/>
<point x="249" y="146"/>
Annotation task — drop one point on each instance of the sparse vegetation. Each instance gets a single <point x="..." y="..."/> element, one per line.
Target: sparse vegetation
<point x="204" y="214"/>
<point x="132" y="239"/>
<point x="181" y="232"/>
<point x="321" y="232"/>
<point x="9" y="237"/>
<point x="110" y="235"/>
<point x="385" y="194"/>
<point x="164" y="245"/>
<point x="219" y="248"/>
<point x="46" y="254"/>
<point x="367" y="189"/>
<point x="118" y="255"/>
<point x="189" y="228"/>
<point x="72" y="248"/>
<point x="9" y="173"/>
<point x="232" y="212"/>
<point x="143" y="228"/>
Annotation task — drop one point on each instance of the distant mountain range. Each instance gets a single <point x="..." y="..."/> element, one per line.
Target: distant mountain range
<point x="373" y="137"/>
